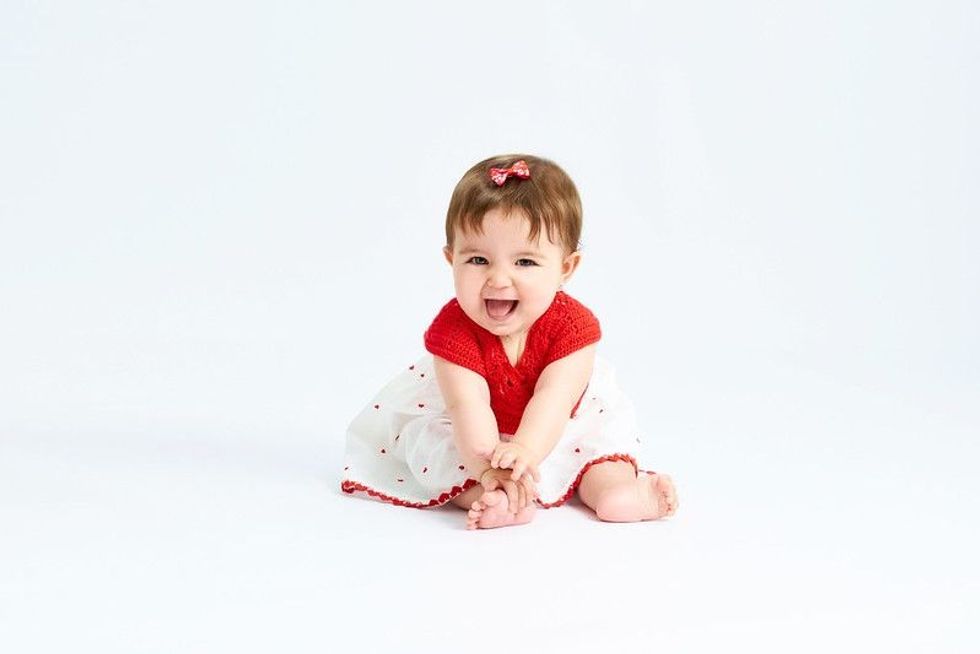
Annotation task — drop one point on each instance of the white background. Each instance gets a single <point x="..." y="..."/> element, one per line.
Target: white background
<point x="220" y="233"/>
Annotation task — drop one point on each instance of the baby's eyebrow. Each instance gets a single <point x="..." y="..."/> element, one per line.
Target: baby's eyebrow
<point x="525" y="253"/>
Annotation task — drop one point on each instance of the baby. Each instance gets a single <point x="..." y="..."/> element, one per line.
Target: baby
<point x="512" y="408"/>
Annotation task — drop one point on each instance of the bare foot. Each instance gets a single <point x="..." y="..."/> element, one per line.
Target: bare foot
<point x="492" y="510"/>
<point x="652" y="497"/>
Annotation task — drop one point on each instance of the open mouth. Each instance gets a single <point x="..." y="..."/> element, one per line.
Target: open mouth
<point x="500" y="309"/>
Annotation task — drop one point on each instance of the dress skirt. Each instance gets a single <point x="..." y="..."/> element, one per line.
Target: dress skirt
<point x="400" y="447"/>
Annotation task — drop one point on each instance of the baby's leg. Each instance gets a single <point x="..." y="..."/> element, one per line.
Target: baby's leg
<point x="491" y="509"/>
<point x="616" y="494"/>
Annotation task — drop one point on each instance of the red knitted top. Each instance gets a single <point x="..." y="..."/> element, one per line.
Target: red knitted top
<point x="565" y="327"/>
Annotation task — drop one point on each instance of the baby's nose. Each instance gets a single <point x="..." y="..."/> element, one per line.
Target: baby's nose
<point x="496" y="278"/>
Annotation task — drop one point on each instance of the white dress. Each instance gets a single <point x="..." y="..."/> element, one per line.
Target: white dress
<point x="400" y="447"/>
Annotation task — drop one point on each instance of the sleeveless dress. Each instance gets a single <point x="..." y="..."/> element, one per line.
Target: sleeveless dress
<point x="400" y="446"/>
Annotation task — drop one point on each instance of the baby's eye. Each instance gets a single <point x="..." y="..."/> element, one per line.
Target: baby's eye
<point x="527" y="263"/>
<point x="481" y="261"/>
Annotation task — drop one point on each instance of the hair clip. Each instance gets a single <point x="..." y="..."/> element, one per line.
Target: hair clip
<point x="519" y="169"/>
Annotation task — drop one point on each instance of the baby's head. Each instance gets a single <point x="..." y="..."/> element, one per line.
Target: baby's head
<point x="547" y="198"/>
<point x="512" y="244"/>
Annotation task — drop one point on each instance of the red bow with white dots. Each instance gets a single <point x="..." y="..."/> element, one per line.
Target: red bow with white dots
<point x="518" y="169"/>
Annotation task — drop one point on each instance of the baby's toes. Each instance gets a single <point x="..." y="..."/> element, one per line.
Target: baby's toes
<point x="474" y="514"/>
<point x="665" y="486"/>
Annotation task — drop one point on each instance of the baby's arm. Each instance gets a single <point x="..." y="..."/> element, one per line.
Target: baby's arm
<point x="467" y="398"/>
<point x="559" y="387"/>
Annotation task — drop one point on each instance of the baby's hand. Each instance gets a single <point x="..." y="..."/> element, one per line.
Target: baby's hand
<point x="517" y="457"/>
<point x="520" y="493"/>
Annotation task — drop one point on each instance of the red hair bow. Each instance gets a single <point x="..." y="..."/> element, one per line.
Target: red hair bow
<point x="518" y="169"/>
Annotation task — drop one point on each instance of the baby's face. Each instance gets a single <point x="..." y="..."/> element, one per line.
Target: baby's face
<point x="503" y="264"/>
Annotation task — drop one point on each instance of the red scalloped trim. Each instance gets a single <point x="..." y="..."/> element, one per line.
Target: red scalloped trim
<point x="352" y="486"/>
<point x="578" y="480"/>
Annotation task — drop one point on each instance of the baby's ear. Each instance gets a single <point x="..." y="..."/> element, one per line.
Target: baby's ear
<point x="448" y="253"/>
<point x="570" y="264"/>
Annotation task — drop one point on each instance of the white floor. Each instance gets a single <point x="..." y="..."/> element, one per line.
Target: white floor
<point x="814" y="515"/>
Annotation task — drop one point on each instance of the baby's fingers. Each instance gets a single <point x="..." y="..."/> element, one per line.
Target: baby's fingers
<point x="530" y="488"/>
<point x="507" y="460"/>
<point x="523" y="468"/>
<point x="489" y="484"/>
<point x="513" y="496"/>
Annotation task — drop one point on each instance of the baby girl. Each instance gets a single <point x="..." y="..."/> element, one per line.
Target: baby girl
<point x="512" y="408"/>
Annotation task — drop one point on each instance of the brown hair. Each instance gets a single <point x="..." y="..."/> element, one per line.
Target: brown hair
<point x="548" y="198"/>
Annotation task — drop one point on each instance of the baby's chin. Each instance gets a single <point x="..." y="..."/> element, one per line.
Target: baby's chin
<point x="503" y="331"/>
